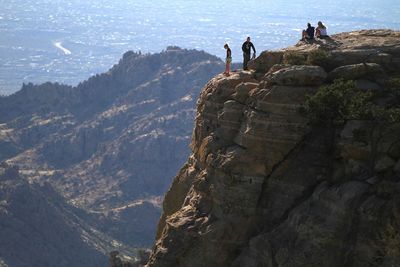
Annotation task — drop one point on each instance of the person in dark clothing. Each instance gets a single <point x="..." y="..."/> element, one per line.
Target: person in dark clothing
<point x="246" y="48"/>
<point x="308" y="34"/>
<point x="228" y="60"/>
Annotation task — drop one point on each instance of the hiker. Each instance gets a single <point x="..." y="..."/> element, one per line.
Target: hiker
<point x="308" y="34"/>
<point x="246" y="48"/>
<point x="228" y="60"/>
<point x="320" y="31"/>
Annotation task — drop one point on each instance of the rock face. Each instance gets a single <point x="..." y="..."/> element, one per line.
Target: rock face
<point x="264" y="188"/>
<point x="111" y="145"/>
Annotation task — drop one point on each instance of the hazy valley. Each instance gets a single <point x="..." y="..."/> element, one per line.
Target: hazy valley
<point x="109" y="147"/>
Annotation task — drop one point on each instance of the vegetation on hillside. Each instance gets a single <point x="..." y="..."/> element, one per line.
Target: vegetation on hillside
<point x="342" y="101"/>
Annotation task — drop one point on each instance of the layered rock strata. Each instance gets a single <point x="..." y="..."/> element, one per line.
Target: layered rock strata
<point x="264" y="188"/>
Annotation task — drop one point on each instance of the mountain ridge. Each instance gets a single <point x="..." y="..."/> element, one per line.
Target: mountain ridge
<point x="109" y="146"/>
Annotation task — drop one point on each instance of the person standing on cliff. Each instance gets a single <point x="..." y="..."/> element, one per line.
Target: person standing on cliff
<point x="246" y="48"/>
<point x="228" y="60"/>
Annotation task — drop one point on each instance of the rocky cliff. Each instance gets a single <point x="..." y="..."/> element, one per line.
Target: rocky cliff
<point x="266" y="187"/>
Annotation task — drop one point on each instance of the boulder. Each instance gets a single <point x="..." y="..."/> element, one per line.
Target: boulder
<point x="349" y="56"/>
<point x="277" y="67"/>
<point x="357" y="71"/>
<point x="266" y="60"/>
<point x="301" y="75"/>
<point x="243" y="90"/>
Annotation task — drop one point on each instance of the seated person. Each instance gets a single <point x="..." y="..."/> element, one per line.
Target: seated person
<point x="320" y="31"/>
<point x="308" y="34"/>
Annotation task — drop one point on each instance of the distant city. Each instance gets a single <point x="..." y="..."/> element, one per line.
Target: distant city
<point x="69" y="41"/>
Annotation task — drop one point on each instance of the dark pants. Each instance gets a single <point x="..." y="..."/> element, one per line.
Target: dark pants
<point x="246" y="59"/>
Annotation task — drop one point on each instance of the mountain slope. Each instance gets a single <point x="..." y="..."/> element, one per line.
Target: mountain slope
<point x="111" y="145"/>
<point x="37" y="228"/>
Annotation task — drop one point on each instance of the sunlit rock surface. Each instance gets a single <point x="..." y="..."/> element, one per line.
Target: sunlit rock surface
<point x="264" y="188"/>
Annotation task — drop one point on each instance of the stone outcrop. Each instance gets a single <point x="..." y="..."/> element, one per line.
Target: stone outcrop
<point x="266" y="60"/>
<point x="357" y="71"/>
<point x="265" y="188"/>
<point x="297" y="75"/>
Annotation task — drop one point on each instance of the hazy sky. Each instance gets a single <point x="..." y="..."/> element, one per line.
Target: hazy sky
<point x="69" y="40"/>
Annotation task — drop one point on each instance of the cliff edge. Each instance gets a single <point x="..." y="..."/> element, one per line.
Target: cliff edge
<point x="266" y="187"/>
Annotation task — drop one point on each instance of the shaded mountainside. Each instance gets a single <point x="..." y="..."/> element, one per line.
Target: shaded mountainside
<point x="111" y="145"/>
<point x="264" y="186"/>
<point x="38" y="228"/>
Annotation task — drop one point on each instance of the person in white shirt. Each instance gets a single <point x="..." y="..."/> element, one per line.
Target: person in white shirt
<point x="321" y="31"/>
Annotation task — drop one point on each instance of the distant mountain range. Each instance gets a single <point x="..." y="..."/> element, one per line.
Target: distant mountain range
<point x="97" y="156"/>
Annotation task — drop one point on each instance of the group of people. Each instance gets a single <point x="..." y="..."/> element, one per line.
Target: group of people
<point x="247" y="46"/>
<point x="311" y="32"/>
<point x="307" y="34"/>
